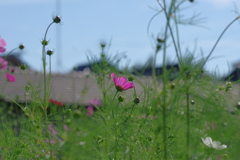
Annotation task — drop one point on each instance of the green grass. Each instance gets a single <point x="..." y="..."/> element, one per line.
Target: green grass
<point x="168" y="122"/>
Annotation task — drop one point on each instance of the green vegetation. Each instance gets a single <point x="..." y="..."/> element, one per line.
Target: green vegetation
<point x="138" y="117"/>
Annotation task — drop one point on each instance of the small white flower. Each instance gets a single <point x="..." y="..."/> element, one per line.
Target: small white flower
<point x="213" y="144"/>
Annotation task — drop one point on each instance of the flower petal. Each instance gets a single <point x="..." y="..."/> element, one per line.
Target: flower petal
<point x="121" y="81"/>
<point x="221" y="147"/>
<point x="128" y="85"/>
<point x="207" y="141"/>
<point x="2" y="43"/>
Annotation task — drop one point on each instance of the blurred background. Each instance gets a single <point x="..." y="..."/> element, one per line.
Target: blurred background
<point x="122" y="25"/>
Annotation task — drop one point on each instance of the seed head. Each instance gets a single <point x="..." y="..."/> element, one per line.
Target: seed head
<point x="121" y="98"/>
<point x="160" y="40"/>
<point x="103" y="44"/>
<point x="27" y="88"/>
<point x="49" y="52"/>
<point x="44" y="42"/>
<point x="23" y="66"/>
<point x="131" y="78"/>
<point x="136" y="100"/>
<point x="21" y="46"/>
<point x="57" y="19"/>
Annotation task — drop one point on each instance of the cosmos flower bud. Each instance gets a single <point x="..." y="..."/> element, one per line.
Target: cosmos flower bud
<point x="44" y="42"/>
<point x="27" y="88"/>
<point x="49" y="52"/>
<point x="136" y="100"/>
<point x="12" y="70"/>
<point x="21" y="46"/>
<point x="23" y="66"/>
<point x="228" y="86"/>
<point x="131" y="78"/>
<point x="172" y="84"/>
<point x="238" y="105"/>
<point x="103" y="44"/>
<point x="160" y="40"/>
<point x="192" y="102"/>
<point x="57" y="19"/>
<point x="121" y="98"/>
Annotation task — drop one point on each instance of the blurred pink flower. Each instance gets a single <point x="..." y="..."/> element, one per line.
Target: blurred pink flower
<point x="10" y="77"/>
<point x="95" y="102"/>
<point x="121" y="82"/>
<point x="89" y="110"/>
<point x="66" y="127"/>
<point x="51" y="129"/>
<point x="92" y="104"/>
<point x="2" y="45"/>
<point x="51" y="141"/>
<point x="3" y="63"/>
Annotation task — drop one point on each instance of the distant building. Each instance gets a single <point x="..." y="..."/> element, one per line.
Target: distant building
<point x="14" y="60"/>
<point x="95" y="66"/>
<point x="75" y="87"/>
<point x="235" y="74"/>
<point x="174" y="69"/>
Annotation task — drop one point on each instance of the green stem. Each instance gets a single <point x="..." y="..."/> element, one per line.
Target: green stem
<point x="219" y="40"/>
<point x="5" y="57"/>
<point x="164" y="103"/>
<point x="112" y="104"/>
<point x="44" y="68"/>
<point x="116" y="135"/>
<point x="188" y="125"/>
<point x="45" y="100"/>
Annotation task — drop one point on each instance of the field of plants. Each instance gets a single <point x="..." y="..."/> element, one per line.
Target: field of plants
<point x="189" y="115"/>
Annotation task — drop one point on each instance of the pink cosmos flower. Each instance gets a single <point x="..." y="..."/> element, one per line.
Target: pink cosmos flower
<point x="89" y="110"/>
<point x="10" y="77"/>
<point x="92" y="103"/>
<point x="3" y="63"/>
<point x="95" y="102"/>
<point x="50" y="128"/>
<point x="121" y="82"/>
<point x="2" y="45"/>
<point x="66" y="127"/>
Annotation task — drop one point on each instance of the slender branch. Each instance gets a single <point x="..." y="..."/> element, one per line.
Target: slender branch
<point x="219" y="40"/>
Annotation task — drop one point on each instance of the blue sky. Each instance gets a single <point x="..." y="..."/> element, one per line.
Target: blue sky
<point x="85" y="23"/>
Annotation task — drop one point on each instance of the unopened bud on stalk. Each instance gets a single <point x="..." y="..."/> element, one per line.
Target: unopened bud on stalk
<point x="160" y="40"/>
<point x="121" y="98"/>
<point x="131" y="78"/>
<point x="49" y="52"/>
<point x="27" y="88"/>
<point x="12" y="70"/>
<point x="103" y="44"/>
<point x="136" y="100"/>
<point x="57" y="19"/>
<point x="192" y="102"/>
<point x="172" y="85"/>
<point x="21" y="46"/>
<point x="44" y="42"/>
<point x="23" y="66"/>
